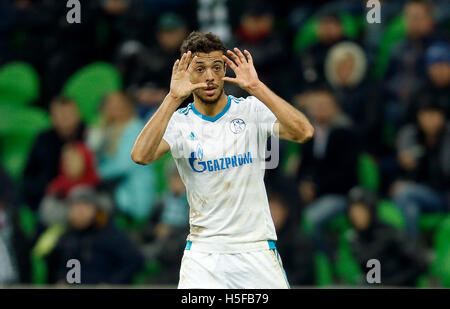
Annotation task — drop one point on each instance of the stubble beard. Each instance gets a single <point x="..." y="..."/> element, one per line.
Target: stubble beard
<point x="209" y="100"/>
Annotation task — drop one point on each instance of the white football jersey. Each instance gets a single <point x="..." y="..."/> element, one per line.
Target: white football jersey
<point x="221" y="162"/>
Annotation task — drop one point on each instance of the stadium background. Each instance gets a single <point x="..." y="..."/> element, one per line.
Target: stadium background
<point x="361" y="84"/>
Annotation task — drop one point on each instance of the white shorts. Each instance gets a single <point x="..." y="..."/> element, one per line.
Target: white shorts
<point x="260" y="269"/>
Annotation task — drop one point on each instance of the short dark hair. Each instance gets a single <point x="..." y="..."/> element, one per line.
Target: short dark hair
<point x="61" y="100"/>
<point x="198" y="42"/>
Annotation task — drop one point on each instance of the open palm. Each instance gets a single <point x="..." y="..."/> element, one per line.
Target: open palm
<point x="180" y="85"/>
<point x="246" y="76"/>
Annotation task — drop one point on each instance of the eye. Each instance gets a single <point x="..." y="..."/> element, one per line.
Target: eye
<point x="199" y="69"/>
<point x="217" y="68"/>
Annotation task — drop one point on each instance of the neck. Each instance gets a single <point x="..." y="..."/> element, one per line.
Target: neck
<point x="210" y="109"/>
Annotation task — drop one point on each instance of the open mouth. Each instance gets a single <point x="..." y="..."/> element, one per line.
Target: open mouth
<point x="211" y="90"/>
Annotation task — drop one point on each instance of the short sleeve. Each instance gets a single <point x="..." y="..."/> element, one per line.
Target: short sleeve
<point x="171" y="136"/>
<point x="266" y="119"/>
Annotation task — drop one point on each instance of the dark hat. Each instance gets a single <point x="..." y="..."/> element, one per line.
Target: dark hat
<point x="364" y="196"/>
<point x="84" y="194"/>
<point x="438" y="52"/>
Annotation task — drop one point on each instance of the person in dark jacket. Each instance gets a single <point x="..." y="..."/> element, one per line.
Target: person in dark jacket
<point x="401" y="261"/>
<point x="423" y="152"/>
<point x="293" y="244"/>
<point x="44" y="158"/>
<point x="328" y="165"/>
<point x="106" y="254"/>
<point x="437" y="61"/>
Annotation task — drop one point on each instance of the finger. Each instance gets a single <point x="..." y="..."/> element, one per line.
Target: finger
<point x="192" y="64"/>
<point x="175" y="66"/>
<point x="235" y="58"/>
<point x="187" y="61"/>
<point x="230" y="79"/>
<point x="199" y="85"/>
<point x="229" y="62"/>
<point x="240" y="55"/>
<point x="182" y="61"/>
<point x="249" y="56"/>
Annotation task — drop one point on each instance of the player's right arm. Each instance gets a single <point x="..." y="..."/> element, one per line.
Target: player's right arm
<point x="150" y="145"/>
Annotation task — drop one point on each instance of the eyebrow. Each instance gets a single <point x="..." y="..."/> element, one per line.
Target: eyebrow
<point x="217" y="60"/>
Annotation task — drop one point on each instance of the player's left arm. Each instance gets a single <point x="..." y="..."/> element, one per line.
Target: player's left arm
<point x="291" y="124"/>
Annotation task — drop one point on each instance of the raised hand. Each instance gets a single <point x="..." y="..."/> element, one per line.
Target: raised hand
<point x="180" y="84"/>
<point x="246" y="76"/>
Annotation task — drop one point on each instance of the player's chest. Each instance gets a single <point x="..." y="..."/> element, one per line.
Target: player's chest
<point x="211" y="140"/>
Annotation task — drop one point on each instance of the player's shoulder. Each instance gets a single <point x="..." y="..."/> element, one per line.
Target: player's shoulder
<point x="245" y="103"/>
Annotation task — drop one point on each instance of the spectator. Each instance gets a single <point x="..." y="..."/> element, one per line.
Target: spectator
<point x="106" y="255"/>
<point x="7" y="272"/>
<point x="345" y="71"/>
<point x="169" y="234"/>
<point x="328" y="165"/>
<point x="402" y="261"/>
<point x="297" y="250"/>
<point x="44" y="159"/>
<point x="123" y="20"/>
<point x="423" y="150"/>
<point x="140" y="64"/>
<point x="112" y="141"/>
<point x="147" y="69"/>
<point x="256" y="33"/>
<point x="407" y="62"/>
<point x="8" y="203"/>
<point x="310" y="63"/>
<point x="77" y="169"/>
<point x="437" y="61"/>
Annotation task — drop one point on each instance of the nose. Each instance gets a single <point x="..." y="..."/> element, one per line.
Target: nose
<point x="209" y="76"/>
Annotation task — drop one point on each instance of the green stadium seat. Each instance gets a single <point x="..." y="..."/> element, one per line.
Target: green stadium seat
<point x="323" y="270"/>
<point x="27" y="221"/>
<point x="430" y="221"/>
<point x="307" y="34"/>
<point x="368" y="173"/>
<point x="390" y="214"/>
<point x="151" y="270"/>
<point x="88" y="86"/>
<point x="395" y="31"/>
<point x="348" y="269"/>
<point x="440" y="267"/>
<point x="19" y="84"/>
<point x="18" y="128"/>
<point x="39" y="270"/>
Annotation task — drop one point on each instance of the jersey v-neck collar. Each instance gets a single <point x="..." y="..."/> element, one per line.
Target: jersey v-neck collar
<point x="212" y="119"/>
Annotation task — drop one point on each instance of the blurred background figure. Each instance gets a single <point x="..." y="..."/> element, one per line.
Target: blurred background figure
<point x="8" y="207"/>
<point x="402" y="260"/>
<point x="292" y="241"/>
<point x="106" y="255"/>
<point x="328" y="165"/>
<point x="44" y="158"/>
<point x="167" y="238"/>
<point x="437" y="63"/>
<point x="132" y="185"/>
<point x="406" y="70"/>
<point x="146" y="68"/>
<point x="256" y="33"/>
<point x="77" y="169"/>
<point x="423" y="152"/>
<point x="311" y="62"/>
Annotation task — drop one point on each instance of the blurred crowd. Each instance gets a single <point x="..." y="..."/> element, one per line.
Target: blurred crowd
<point x="93" y="203"/>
